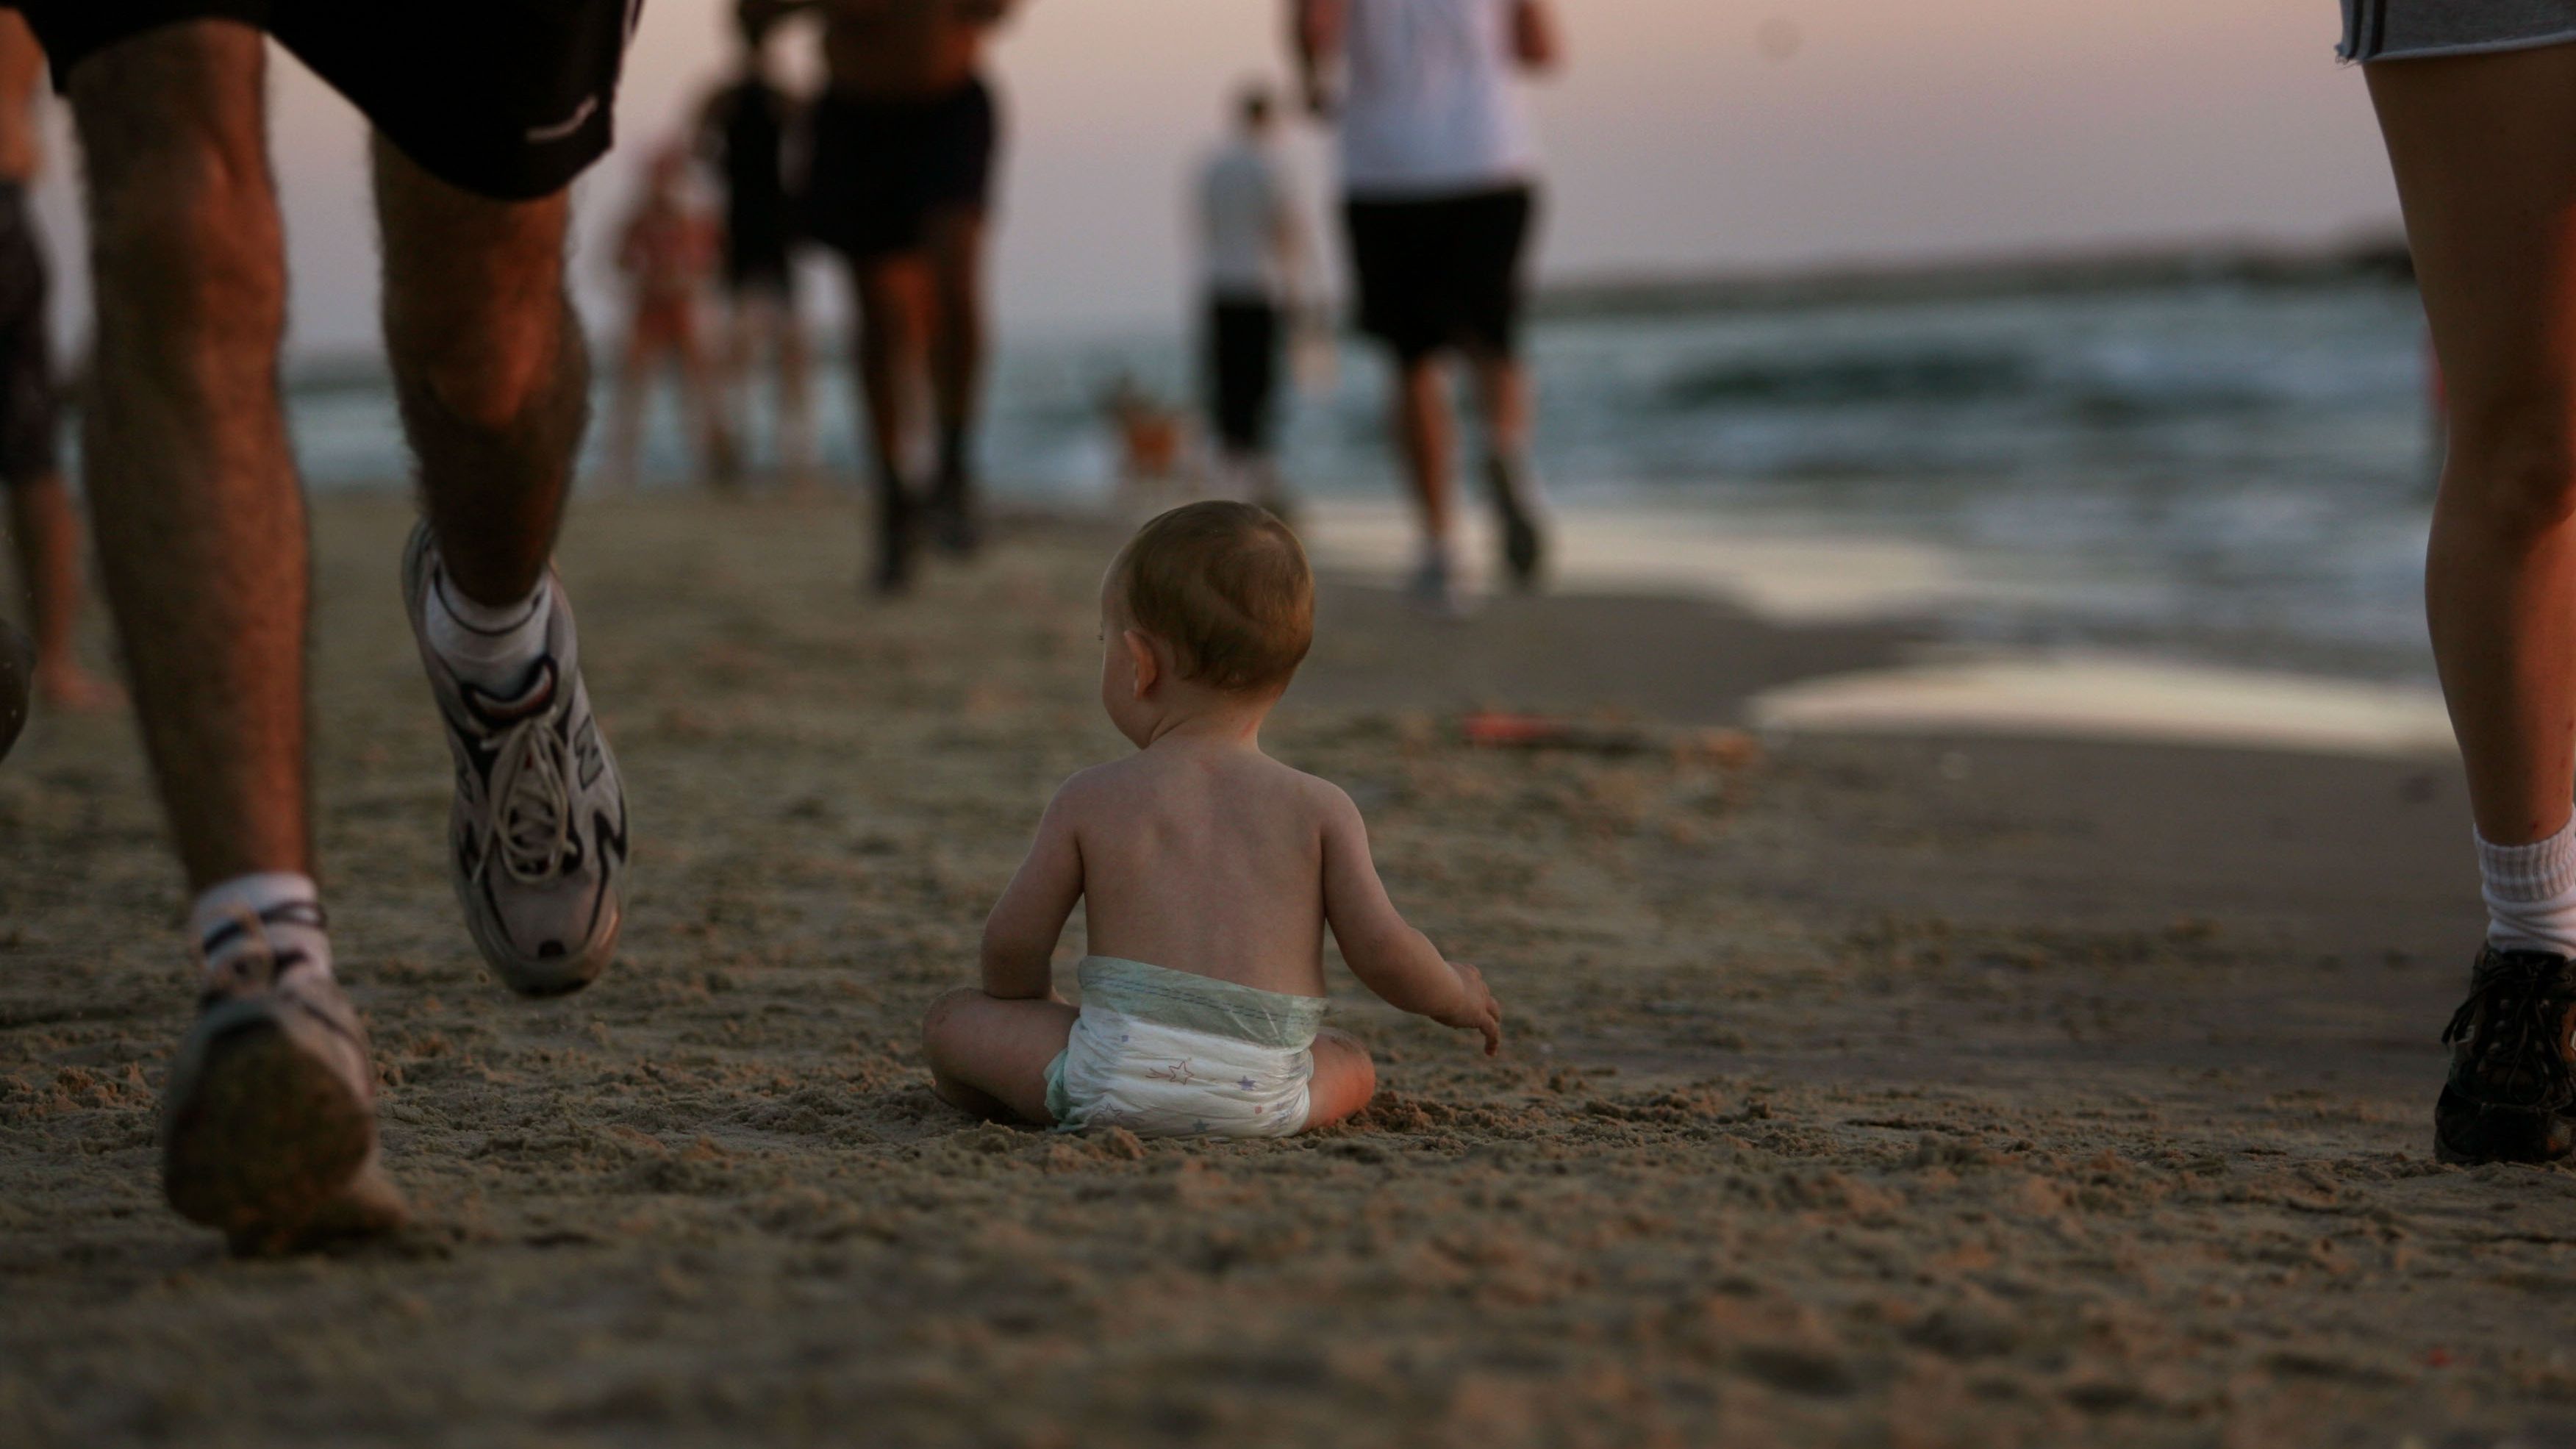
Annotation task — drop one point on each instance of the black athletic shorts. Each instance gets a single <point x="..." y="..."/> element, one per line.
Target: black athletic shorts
<point x="27" y="398"/>
<point x="506" y="98"/>
<point x="1441" y="272"/>
<point x="1243" y="370"/>
<point x="881" y="169"/>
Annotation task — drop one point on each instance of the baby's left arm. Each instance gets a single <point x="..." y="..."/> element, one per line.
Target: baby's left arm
<point x="1020" y="934"/>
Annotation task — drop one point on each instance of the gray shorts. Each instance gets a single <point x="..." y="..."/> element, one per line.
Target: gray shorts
<point x="2402" y="29"/>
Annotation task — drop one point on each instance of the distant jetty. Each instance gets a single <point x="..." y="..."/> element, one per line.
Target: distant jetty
<point x="2378" y="258"/>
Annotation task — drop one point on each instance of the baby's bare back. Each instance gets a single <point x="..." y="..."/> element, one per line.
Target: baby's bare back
<point x="1206" y="861"/>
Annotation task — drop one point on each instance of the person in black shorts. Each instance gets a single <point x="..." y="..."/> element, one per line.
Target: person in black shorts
<point x="1439" y="186"/>
<point x="898" y="181"/>
<point x="743" y="132"/>
<point x="484" y="111"/>
<point x="1250" y="253"/>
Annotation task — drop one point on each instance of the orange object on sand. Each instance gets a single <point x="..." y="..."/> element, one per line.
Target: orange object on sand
<point x="1502" y="729"/>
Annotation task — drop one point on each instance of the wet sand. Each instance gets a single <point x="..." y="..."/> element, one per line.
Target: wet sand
<point x="1871" y="1091"/>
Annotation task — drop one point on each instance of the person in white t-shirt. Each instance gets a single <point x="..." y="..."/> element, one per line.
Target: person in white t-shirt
<point x="1250" y="255"/>
<point x="1439" y="186"/>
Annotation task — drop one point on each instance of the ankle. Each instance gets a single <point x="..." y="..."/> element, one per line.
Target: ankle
<point x="493" y="648"/>
<point x="278" y="912"/>
<point x="2530" y="893"/>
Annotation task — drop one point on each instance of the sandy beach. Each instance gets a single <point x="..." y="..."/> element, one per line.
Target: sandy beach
<point x="1891" y="1088"/>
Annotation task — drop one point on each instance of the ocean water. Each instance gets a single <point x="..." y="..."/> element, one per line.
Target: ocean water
<point x="2230" y="471"/>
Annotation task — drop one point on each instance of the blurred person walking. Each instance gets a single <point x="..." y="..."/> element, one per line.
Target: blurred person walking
<point x="743" y="131"/>
<point x="899" y="182"/>
<point x="667" y="251"/>
<point x="1252" y="256"/>
<point x="2477" y="104"/>
<point x="268" y="1121"/>
<point x="1439" y="173"/>
<point x="41" y="520"/>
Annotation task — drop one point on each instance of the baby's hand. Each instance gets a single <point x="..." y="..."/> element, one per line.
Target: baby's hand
<point x="1477" y="1010"/>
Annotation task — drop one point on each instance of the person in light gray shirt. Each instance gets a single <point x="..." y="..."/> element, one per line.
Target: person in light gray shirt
<point x="1251" y="257"/>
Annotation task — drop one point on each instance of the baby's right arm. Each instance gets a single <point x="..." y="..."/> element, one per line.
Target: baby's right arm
<point x="1020" y="934"/>
<point x="1389" y="957"/>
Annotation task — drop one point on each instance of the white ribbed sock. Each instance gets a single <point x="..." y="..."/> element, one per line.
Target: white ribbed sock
<point x="490" y="648"/>
<point x="2531" y="893"/>
<point x="289" y="912"/>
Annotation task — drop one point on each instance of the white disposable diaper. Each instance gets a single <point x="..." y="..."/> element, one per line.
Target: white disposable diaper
<point x="1164" y="1053"/>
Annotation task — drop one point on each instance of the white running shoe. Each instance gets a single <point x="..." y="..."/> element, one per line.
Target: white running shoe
<point x="268" y="1124"/>
<point x="538" y="835"/>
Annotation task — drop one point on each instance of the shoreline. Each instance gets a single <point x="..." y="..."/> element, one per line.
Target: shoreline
<point x="1923" y="684"/>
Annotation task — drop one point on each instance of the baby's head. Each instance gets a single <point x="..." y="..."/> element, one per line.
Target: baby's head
<point x="1209" y="604"/>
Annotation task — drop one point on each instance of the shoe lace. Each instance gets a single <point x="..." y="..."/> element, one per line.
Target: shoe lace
<point x="532" y="801"/>
<point x="2514" y="1024"/>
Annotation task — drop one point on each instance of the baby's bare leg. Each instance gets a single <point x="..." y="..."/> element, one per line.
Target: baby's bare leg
<point x="1345" y="1079"/>
<point x="989" y="1056"/>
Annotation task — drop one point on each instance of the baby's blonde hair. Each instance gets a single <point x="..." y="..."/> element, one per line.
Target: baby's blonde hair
<point x="1225" y="586"/>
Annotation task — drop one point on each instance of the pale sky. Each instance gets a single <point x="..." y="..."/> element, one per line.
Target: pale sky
<point x="1678" y="138"/>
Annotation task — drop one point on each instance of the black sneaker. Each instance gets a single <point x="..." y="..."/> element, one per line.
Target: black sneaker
<point x="2513" y="1078"/>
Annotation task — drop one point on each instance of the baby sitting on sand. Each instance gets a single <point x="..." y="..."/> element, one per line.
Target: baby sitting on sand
<point x="1209" y="871"/>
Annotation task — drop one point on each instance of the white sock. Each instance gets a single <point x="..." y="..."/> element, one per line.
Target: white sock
<point x="490" y="648"/>
<point x="286" y="907"/>
<point x="2531" y="893"/>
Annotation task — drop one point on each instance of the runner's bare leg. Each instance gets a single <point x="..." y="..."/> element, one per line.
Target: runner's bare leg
<point x="957" y="341"/>
<point x="191" y="483"/>
<point x="626" y="411"/>
<point x="49" y="569"/>
<point x="1428" y="435"/>
<point x="894" y="298"/>
<point x="1503" y="397"/>
<point x="893" y="339"/>
<point x="795" y="400"/>
<point x="490" y="367"/>
<point x="2484" y="149"/>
